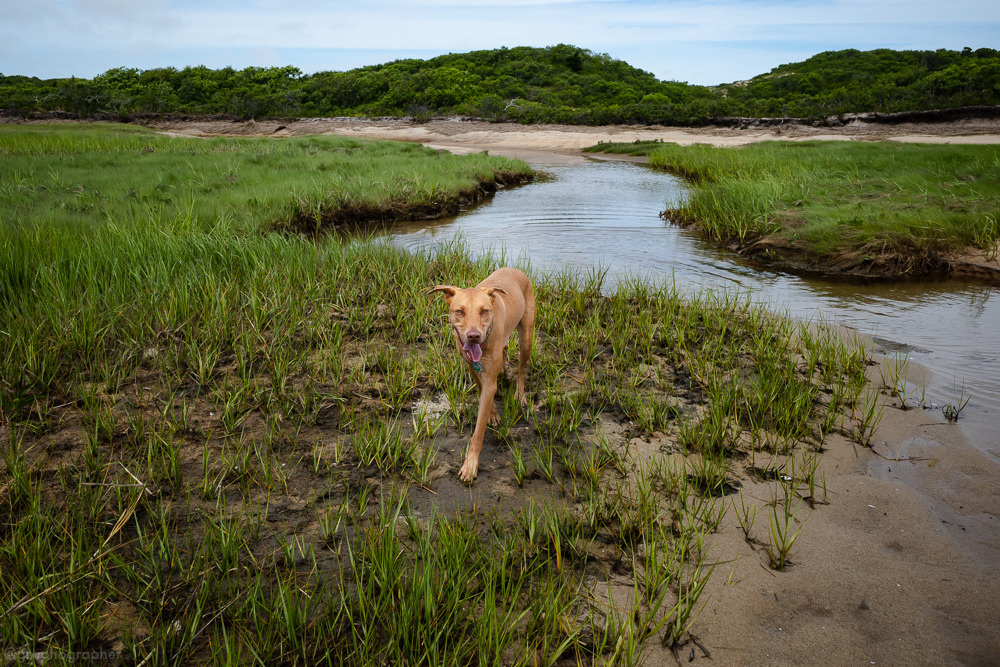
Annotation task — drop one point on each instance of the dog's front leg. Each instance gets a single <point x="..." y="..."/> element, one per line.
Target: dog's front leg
<point x="488" y="388"/>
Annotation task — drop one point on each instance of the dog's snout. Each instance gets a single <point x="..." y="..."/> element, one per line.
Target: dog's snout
<point x="474" y="336"/>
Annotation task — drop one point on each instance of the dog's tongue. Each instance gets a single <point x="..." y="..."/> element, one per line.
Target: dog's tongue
<point x="472" y="352"/>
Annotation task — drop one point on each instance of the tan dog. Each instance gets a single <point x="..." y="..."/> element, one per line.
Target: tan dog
<point x="483" y="318"/>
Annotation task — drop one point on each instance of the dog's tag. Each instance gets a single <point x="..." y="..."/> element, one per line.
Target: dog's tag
<point x="478" y="367"/>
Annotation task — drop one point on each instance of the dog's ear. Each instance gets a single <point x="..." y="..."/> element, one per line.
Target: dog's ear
<point x="491" y="291"/>
<point x="447" y="290"/>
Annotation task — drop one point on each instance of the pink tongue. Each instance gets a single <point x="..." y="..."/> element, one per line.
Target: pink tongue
<point x="472" y="352"/>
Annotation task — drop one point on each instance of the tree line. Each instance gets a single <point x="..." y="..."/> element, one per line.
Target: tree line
<point x="557" y="84"/>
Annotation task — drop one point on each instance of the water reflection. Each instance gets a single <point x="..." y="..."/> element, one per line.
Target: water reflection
<point x="606" y="214"/>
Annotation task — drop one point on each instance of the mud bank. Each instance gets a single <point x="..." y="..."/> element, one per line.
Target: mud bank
<point x="367" y="216"/>
<point x="971" y="264"/>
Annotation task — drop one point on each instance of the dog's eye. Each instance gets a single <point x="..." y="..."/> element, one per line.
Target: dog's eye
<point x="460" y="312"/>
<point x="484" y="312"/>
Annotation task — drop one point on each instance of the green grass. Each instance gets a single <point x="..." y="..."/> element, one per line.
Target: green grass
<point x="840" y="205"/>
<point x="90" y="175"/>
<point x="217" y="449"/>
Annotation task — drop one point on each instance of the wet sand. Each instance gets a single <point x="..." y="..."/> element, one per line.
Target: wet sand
<point x="902" y="566"/>
<point x="899" y="569"/>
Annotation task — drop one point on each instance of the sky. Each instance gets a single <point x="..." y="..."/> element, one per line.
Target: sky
<point x="700" y="42"/>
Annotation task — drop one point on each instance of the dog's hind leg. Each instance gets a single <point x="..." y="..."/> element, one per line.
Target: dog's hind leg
<point x="525" y="339"/>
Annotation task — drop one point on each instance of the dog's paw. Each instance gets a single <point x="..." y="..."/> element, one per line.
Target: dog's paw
<point x="468" y="471"/>
<point x="494" y="418"/>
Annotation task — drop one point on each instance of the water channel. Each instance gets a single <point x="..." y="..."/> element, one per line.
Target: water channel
<point x="605" y="214"/>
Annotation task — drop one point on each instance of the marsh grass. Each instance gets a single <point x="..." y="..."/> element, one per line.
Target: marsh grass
<point x="953" y="409"/>
<point x="217" y="449"/>
<point x="858" y="206"/>
<point x="123" y="175"/>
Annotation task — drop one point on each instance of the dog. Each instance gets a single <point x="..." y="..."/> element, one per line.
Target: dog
<point x="483" y="318"/>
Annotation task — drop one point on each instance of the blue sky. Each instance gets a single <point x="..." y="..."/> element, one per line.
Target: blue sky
<point x="709" y="42"/>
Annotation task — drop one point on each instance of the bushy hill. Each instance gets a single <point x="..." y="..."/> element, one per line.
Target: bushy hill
<point x="882" y="80"/>
<point x="555" y="84"/>
<point x="562" y="83"/>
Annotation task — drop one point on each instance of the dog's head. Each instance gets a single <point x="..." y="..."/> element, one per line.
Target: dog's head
<point x="470" y="313"/>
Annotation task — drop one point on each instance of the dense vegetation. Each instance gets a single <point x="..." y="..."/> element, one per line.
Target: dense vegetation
<point x="90" y="175"/>
<point x="563" y="84"/>
<point x="883" y="80"/>
<point x="859" y="207"/>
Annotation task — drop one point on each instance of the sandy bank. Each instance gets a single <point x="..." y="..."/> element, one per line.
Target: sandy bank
<point x="899" y="569"/>
<point x="507" y="138"/>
